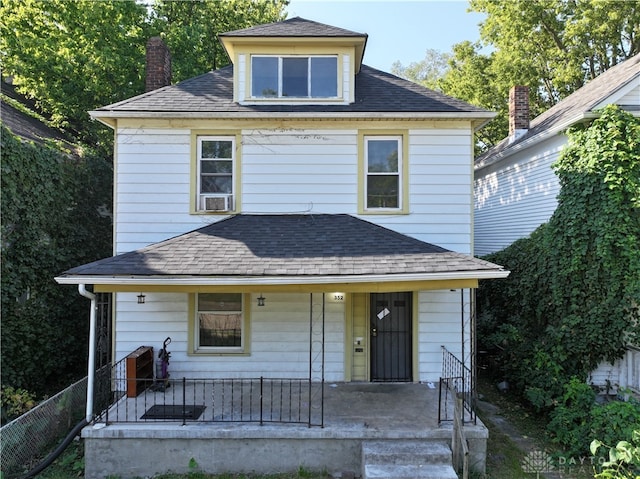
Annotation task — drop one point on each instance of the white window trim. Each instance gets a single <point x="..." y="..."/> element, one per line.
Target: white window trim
<point x="399" y="173"/>
<point x="280" y="97"/>
<point x="199" y="195"/>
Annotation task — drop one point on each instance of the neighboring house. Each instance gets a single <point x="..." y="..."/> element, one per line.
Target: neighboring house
<point x="516" y="188"/>
<point x="278" y="220"/>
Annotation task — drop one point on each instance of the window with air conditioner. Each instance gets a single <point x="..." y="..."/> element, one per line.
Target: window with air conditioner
<point x="216" y="170"/>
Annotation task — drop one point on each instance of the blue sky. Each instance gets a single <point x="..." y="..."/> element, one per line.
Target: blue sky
<point x="398" y="30"/>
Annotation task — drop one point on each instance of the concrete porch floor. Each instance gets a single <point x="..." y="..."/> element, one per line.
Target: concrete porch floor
<point x="353" y="414"/>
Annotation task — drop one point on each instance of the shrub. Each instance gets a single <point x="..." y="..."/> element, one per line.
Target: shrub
<point x="571" y="419"/>
<point x="15" y="402"/>
<point x="615" y="421"/>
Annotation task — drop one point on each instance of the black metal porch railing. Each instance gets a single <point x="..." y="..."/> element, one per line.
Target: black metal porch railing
<point x="258" y="400"/>
<point x="456" y="381"/>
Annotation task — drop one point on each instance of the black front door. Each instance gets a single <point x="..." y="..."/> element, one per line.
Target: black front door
<point x="390" y="328"/>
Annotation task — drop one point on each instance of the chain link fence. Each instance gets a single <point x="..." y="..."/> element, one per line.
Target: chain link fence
<point x="25" y="439"/>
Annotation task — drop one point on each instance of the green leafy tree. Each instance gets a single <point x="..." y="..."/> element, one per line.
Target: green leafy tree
<point x="552" y="46"/>
<point x="427" y="72"/>
<point x="191" y="29"/>
<point x="74" y="56"/>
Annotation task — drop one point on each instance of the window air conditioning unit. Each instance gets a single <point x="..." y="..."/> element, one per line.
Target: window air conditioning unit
<point x="217" y="203"/>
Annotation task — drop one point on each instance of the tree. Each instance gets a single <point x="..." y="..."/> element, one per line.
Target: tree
<point x="552" y="46"/>
<point x="75" y="56"/>
<point x="426" y="72"/>
<point x="191" y="29"/>
<point x="72" y="57"/>
<point x="470" y="77"/>
<point x="558" y="45"/>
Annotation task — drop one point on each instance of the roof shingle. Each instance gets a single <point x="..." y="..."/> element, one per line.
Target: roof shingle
<point x="293" y="27"/>
<point x="212" y="92"/>
<point x="290" y="245"/>
<point x="582" y="101"/>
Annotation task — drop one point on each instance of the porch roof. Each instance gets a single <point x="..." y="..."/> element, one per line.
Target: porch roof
<point x="284" y="249"/>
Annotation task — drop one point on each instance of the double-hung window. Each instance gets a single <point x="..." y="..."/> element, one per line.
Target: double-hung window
<point x="219" y="322"/>
<point x="294" y="76"/>
<point x="216" y="166"/>
<point x="383" y="172"/>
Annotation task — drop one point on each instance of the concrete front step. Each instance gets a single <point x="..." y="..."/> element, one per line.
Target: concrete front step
<point x="406" y="459"/>
<point x="396" y="471"/>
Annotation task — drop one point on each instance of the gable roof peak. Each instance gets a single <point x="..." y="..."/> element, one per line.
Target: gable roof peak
<point x="294" y="27"/>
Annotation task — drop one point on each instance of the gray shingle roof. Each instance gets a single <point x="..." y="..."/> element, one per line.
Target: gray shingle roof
<point x="582" y="101"/>
<point x="286" y="245"/>
<point x="212" y="92"/>
<point x="294" y="27"/>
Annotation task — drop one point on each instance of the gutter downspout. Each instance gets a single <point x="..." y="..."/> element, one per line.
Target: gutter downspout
<point x="92" y="351"/>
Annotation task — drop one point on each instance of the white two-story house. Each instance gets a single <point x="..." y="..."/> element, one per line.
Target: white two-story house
<point x="295" y="215"/>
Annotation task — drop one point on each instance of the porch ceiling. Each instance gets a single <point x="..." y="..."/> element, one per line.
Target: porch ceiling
<point x="327" y="251"/>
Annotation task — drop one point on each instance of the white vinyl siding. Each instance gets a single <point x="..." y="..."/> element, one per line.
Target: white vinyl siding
<point x="515" y="196"/>
<point x="631" y="99"/>
<point x="279" y="341"/>
<point x="292" y="171"/>
<point x="285" y="170"/>
<point x="152" y="192"/>
<point x="623" y="374"/>
<point x="439" y="325"/>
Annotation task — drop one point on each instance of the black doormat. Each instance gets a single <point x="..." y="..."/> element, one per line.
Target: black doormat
<point x="173" y="412"/>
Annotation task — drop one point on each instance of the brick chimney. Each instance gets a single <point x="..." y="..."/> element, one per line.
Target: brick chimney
<point x="518" y="112"/>
<point x="158" y="64"/>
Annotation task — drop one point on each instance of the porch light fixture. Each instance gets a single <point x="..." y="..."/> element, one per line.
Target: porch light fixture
<point x="260" y="300"/>
<point x="141" y="298"/>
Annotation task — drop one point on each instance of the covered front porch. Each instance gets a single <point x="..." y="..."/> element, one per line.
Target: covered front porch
<point x="335" y="341"/>
<point x="124" y="443"/>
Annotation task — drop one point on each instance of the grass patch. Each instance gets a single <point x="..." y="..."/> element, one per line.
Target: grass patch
<point x="515" y="431"/>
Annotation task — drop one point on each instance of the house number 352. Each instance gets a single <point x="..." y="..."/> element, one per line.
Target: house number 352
<point x="338" y="297"/>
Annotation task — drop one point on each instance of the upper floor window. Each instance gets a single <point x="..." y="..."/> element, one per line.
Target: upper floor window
<point x="383" y="172"/>
<point x="216" y="166"/>
<point x="294" y="76"/>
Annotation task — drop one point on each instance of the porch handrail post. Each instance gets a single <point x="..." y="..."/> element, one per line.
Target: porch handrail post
<point x="184" y="401"/>
<point x="323" y="352"/>
<point x="261" y="399"/>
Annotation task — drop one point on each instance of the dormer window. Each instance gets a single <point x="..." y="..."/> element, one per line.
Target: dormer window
<point x="294" y="76"/>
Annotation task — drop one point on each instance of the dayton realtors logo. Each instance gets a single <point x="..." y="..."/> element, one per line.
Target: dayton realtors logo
<point x="537" y="462"/>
